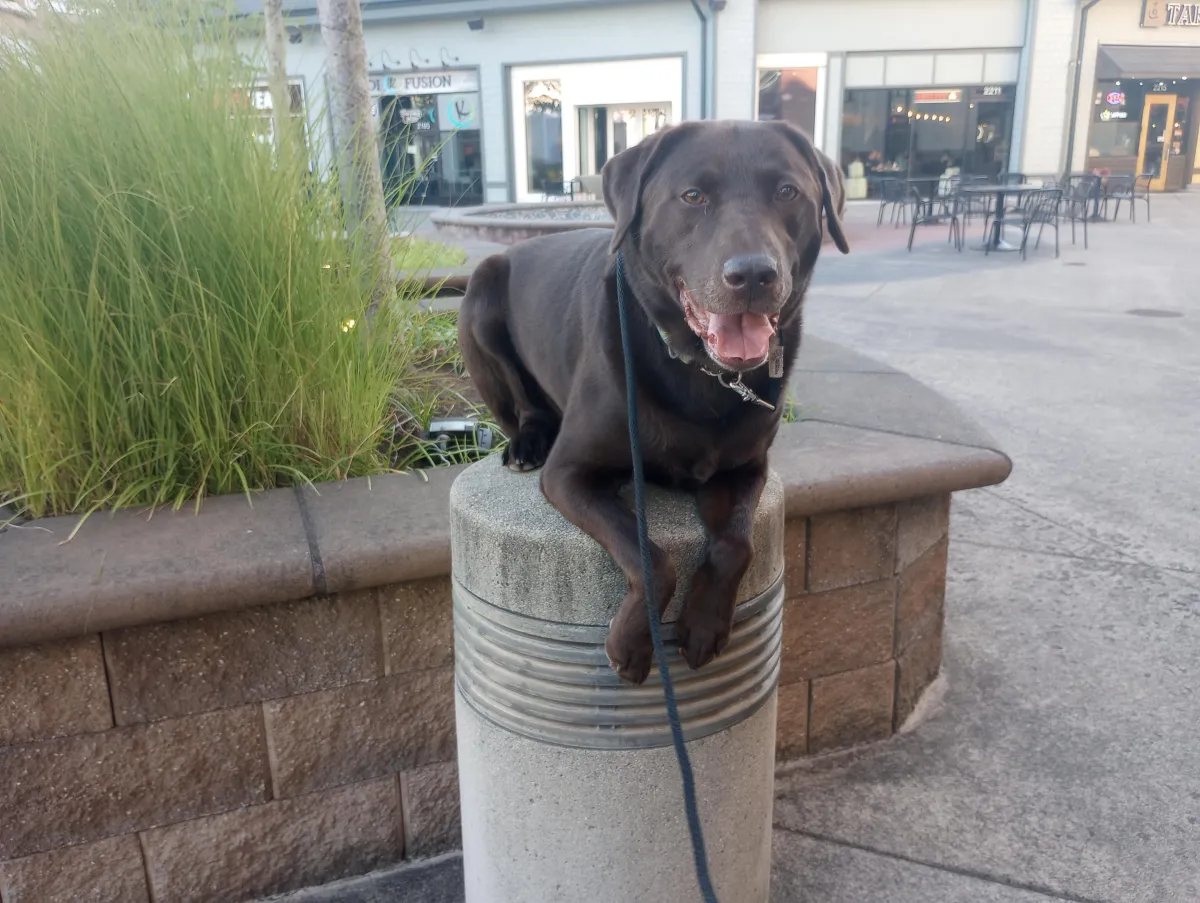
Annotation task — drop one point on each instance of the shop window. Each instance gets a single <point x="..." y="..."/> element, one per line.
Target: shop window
<point x="431" y="149"/>
<point x="1116" y="126"/>
<point x="262" y="103"/>
<point x="789" y="95"/>
<point x="927" y="132"/>
<point x="543" y="136"/>
<point x="630" y="126"/>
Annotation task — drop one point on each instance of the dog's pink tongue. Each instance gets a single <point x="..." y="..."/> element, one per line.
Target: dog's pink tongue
<point x="740" y="336"/>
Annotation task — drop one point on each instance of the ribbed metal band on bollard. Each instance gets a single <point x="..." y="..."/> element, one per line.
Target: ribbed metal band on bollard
<point x="552" y="682"/>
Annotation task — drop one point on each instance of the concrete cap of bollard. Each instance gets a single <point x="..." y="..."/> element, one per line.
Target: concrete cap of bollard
<point x="512" y="549"/>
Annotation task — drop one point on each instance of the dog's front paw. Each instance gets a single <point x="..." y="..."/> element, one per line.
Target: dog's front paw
<point x="702" y="636"/>
<point x="530" y="447"/>
<point x="630" y="649"/>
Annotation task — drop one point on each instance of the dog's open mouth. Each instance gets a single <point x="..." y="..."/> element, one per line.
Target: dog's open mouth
<point x="736" y="341"/>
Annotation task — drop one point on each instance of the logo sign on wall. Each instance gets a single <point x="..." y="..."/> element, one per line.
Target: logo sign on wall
<point x="1166" y="12"/>
<point x="457" y="112"/>
<point x="1115" y="99"/>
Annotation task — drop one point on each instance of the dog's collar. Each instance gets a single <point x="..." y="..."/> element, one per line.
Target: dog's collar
<point x="725" y="378"/>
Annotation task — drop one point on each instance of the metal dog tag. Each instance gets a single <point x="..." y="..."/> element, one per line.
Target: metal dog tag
<point x="775" y="358"/>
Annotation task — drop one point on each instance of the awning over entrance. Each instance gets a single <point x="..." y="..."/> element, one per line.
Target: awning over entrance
<point x="1152" y="60"/>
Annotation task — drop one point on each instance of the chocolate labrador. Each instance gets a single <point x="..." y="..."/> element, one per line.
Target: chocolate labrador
<point x="719" y="225"/>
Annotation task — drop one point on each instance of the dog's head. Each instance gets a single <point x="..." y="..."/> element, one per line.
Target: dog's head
<point x="727" y="218"/>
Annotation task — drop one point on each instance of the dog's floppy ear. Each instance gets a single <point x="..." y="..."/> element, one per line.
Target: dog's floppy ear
<point x="829" y="174"/>
<point x="624" y="177"/>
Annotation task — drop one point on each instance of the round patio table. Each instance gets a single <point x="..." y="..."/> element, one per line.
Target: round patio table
<point x="995" y="240"/>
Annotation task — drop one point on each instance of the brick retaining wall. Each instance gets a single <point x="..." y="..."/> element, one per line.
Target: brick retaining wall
<point x="223" y="705"/>
<point x="244" y="753"/>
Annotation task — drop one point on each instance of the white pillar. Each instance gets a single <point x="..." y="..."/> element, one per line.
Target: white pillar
<point x="569" y="784"/>
<point x="736" y="78"/>
<point x="1049" y="83"/>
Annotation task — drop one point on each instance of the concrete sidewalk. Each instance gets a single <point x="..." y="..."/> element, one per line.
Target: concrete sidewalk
<point x="1062" y="761"/>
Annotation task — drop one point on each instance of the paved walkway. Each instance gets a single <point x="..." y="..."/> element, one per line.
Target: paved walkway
<point x="1062" y="761"/>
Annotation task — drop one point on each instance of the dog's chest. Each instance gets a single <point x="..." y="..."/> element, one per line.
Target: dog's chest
<point x="686" y="455"/>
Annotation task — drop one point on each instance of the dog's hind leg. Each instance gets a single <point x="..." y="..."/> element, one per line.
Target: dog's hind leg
<point x="508" y="389"/>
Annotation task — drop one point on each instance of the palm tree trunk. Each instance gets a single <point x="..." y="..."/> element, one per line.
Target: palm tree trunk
<point x="356" y="153"/>
<point x="281" y="100"/>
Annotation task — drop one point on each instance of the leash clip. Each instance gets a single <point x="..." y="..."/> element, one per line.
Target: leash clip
<point x="743" y="391"/>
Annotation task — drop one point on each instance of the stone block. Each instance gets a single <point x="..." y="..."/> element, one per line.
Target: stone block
<point x="53" y="690"/>
<point x="920" y="524"/>
<point x="429" y="796"/>
<point x="795" y="555"/>
<point x="850" y="547"/>
<point x="852" y="707"/>
<point x="382" y="529"/>
<point x="83" y="788"/>
<point x="230" y="659"/>
<point x="838" y="630"/>
<point x="108" y="871"/>
<point x="922" y="594"/>
<point x="791" y="738"/>
<point x="361" y="731"/>
<point x="418" y="625"/>
<point x="281" y="846"/>
<point x="125" y="569"/>
<point x="916" y="669"/>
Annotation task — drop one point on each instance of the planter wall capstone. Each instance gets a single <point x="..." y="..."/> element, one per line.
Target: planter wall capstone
<point x="259" y="697"/>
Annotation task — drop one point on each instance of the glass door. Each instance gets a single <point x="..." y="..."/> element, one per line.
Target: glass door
<point x="1158" y="129"/>
<point x="627" y="126"/>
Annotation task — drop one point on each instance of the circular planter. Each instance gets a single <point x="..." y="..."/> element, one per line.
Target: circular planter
<point x="510" y="223"/>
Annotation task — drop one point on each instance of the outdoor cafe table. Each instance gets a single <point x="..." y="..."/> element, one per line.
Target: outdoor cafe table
<point x="995" y="240"/>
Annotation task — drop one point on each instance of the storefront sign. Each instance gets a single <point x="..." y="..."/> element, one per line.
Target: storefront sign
<point x="952" y="96"/>
<point x="1110" y="115"/>
<point x="1115" y="99"/>
<point x="989" y="93"/>
<point x="1165" y="12"/>
<point x="451" y="81"/>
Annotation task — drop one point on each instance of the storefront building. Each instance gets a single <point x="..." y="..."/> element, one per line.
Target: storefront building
<point x="511" y="100"/>
<point x="899" y="88"/>
<point x="429" y="129"/>
<point x="1138" y="107"/>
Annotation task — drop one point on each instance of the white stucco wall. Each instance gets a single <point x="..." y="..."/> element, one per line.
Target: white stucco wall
<point x="791" y="26"/>
<point x="589" y="33"/>
<point x="1051" y="78"/>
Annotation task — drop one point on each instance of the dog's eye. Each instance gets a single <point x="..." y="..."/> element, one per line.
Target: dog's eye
<point x="693" y="196"/>
<point x="787" y="193"/>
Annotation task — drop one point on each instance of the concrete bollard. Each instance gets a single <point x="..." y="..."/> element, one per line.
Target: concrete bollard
<point x="569" y="784"/>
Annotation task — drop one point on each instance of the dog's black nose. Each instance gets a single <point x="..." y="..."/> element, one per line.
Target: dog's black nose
<point x="749" y="272"/>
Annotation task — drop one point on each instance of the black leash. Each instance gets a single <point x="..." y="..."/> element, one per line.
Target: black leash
<point x="660" y="654"/>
